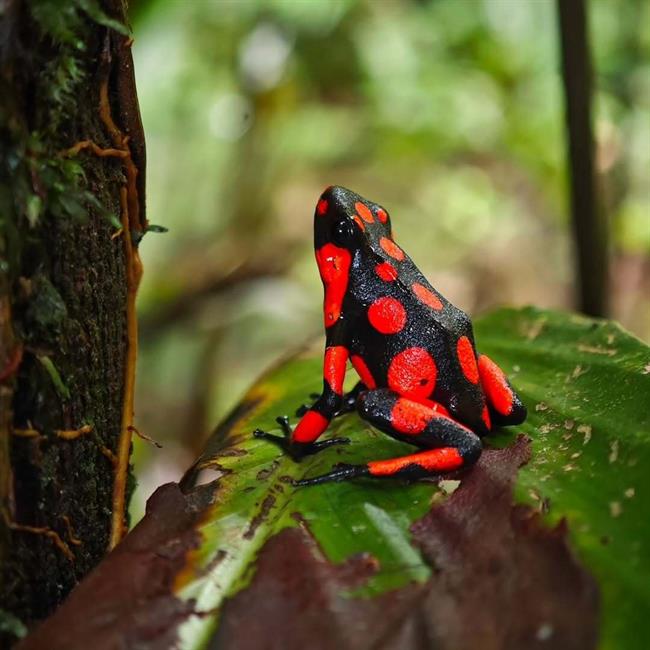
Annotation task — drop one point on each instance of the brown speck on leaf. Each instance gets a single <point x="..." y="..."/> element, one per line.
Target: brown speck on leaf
<point x="568" y="424"/>
<point x="629" y="493"/>
<point x="615" y="508"/>
<point x="265" y="472"/>
<point x="646" y="369"/>
<point x="542" y="406"/>
<point x="613" y="452"/>
<point x="449" y="486"/>
<point x="575" y="373"/>
<point x="260" y="517"/>
<point x="597" y="349"/>
<point x="535" y="329"/>
<point x="586" y="430"/>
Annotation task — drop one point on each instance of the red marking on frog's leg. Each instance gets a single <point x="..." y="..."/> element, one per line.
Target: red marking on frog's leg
<point x="505" y="405"/>
<point x="334" y="367"/>
<point x="387" y="315"/>
<point x="310" y="427"/>
<point x="381" y="215"/>
<point x="467" y="359"/>
<point x="386" y="271"/>
<point x="433" y="461"/>
<point x="363" y="371"/>
<point x="448" y="445"/>
<point x="426" y="296"/>
<point x="413" y="373"/>
<point x="391" y="248"/>
<point x="364" y="212"/>
<point x="322" y="206"/>
<point x="334" y="266"/>
<point x="411" y="417"/>
<point x="314" y="422"/>
<point x="359" y="223"/>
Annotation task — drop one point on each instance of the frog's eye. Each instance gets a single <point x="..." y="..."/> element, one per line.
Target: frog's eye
<point x="343" y="232"/>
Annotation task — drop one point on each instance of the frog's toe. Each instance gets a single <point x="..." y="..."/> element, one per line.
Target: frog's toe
<point x="302" y="409"/>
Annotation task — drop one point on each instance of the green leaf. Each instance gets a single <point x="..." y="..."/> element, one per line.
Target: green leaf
<point x="586" y="384"/>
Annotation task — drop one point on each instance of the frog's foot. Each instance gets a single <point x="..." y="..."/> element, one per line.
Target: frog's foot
<point x="296" y="450"/>
<point x="340" y="472"/>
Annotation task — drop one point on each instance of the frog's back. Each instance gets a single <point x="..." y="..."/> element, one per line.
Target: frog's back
<point x="406" y="336"/>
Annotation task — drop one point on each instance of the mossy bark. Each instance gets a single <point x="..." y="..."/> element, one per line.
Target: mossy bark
<point x="66" y="281"/>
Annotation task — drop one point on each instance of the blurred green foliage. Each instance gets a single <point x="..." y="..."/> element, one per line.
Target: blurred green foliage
<point x="449" y="113"/>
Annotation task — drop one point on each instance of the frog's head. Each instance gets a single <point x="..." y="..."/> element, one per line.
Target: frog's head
<point x="348" y="221"/>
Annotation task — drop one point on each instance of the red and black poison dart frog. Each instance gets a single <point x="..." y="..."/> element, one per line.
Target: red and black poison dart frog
<point x="422" y="381"/>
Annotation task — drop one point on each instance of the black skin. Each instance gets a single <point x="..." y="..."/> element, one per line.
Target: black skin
<point x="461" y="422"/>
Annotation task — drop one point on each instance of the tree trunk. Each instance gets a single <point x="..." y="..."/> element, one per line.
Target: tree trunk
<point x="590" y="228"/>
<point x="68" y="276"/>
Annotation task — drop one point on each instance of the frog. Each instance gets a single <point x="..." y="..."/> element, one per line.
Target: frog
<point x="421" y="379"/>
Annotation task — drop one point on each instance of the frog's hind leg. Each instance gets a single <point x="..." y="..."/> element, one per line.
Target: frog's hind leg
<point x="447" y="445"/>
<point x="505" y="405"/>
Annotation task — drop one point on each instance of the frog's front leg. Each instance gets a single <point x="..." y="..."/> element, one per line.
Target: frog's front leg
<point x="302" y="440"/>
<point x="447" y="444"/>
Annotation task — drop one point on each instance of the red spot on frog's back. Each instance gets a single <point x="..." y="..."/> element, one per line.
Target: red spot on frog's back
<point x="426" y="296"/>
<point x="359" y="223"/>
<point x="363" y="371"/>
<point x="381" y="215"/>
<point x="334" y="266"/>
<point x="386" y="271"/>
<point x="467" y="359"/>
<point x="322" y="206"/>
<point x="495" y="385"/>
<point x="334" y="367"/>
<point x="391" y="248"/>
<point x="387" y="315"/>
<point x="364" y="212"/>
<point x="413" y="373"/>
